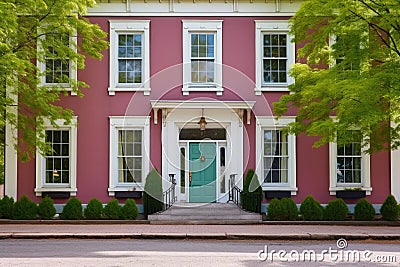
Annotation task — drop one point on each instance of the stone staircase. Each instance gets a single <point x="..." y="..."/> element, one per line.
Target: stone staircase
<point x="205" y="213"/>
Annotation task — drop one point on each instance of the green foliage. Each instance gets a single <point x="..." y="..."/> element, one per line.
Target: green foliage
<point x="24" y="209"/>
<point x="363" y="88"/>
<point x="251" y="195"/>
<point x="23" y="26"/>
<point x="129" y="211"/>
<point x="336" y="210"/>
<point x="72" y="210"/>
<point x="282" y="210"/>
<point x="389" y="209"/>
<point x="311" y="209"/>
<point x="6" y="207"/>
<point x="274" y="210"/>
<point x="94" y="209"/>
<point x="46" y="209"/>
<point x="112" y="210"/>
<point x="364" y="211"/>
<point x="153" y="195"/>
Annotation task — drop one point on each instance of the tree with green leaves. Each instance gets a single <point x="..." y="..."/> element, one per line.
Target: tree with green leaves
<point x="349" y="75"/>
<point x="44" y="31"/>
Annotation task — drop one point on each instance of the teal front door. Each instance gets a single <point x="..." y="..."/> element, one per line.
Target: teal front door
<point x="203" y="173"/>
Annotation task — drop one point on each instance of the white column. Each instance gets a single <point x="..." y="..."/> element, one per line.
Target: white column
<point x="10" y="160"/>
<point x="395" y="174"/>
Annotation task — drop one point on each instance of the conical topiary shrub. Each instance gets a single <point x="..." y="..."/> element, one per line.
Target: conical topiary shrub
<point x="112" y="210"/>
<point x="130" y="210"/>
<point x="311" y="209"/>
<point x="72" y="210"/>
<point x="46" y="209"/>
<point x="153" y="195"/>
<point x="336" y="210"/>
<point x="94" y="209"/>
<point x="364" y="211"/>
<point x="251" y="195"/>
<point x="389" y="209"/>
<point x="24" y="209"/>
<point x="6" y="207"/>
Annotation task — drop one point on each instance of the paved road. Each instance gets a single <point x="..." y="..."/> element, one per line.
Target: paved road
<point x="114" y="253"/>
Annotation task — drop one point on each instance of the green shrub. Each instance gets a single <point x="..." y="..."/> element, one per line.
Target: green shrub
<point x="72" y="210"/>
<point x="24" y="209"/>
<point x="282" y="210"/>
<point x="389" y="209"/>
<point x="364" y="211"/>
<point x="274" y="210"/>
<point x="129" y="211"/>
<point x="153" y="195"/>
<point x="336" y="210"/>
<point x="112" y="210"/>
<point x="311" y="209"/>
<point x="94" y="209"/>
<point x="6" y="207"/>
<point x="290" y="211"/>
<point x="46" y="209"/>
<point x="251" y="195"/>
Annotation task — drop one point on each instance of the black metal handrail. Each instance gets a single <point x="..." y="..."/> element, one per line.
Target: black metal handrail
<point x="236" y="196"/>
<point x="169" y="197"/>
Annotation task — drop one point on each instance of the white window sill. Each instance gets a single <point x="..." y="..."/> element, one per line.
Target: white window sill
<point x="61" y="88"/>
<point x="333" y="190"/>
<point x="293" y="190"/>
<point x="272" y="88"/>
<point x="202" y="88"/>
<point x="133" y="187"/>
<point x="39" y="191"/>
<point x="111" y="91"/>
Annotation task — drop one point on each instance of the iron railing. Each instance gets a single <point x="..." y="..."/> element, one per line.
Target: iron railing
<point x="169" y="197"/>
<point x="253" y="201"/>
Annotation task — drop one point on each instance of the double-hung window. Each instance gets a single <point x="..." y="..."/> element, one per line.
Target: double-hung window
<point x="202" y="56"/>
<point x="56" y="170"/>
<point x="275" y="154"/>
<point x="129" y="56"/>
<point x="129" y="153"/>
<point x="349" y="165"/>
<point x="274" y="54"/>
<point x="56" y="68"/>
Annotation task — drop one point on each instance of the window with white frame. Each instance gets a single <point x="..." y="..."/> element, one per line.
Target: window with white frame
<point x="275" y="52"/>
<point x="56" y="68"/>
<point x="56" y="170"/>
<point x="349" y="165"/>
<point x="202" y="56"/>
<point x="129" y="56"/>
<point x="275" y="154"/>
<point x="129" y="153"/>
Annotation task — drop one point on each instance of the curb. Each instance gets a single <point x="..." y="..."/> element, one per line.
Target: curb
<point x="201" y="236"/>
<point x="77" y="222"/>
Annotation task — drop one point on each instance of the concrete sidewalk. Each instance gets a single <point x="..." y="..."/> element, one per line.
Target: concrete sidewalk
<point x="221" y="232"/>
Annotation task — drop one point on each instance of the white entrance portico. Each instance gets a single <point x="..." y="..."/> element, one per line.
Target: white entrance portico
<point x="182" y="139"/>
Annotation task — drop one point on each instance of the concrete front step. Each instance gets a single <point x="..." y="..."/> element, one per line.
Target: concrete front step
<point x="205" y="213"/>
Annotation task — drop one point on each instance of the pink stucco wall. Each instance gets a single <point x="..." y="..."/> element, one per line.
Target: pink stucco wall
<point x="96" y="106"/>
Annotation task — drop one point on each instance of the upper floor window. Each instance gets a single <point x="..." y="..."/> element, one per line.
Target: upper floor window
<point x="274" y="54"/>
<point x="56" y="68"/>
<point x="349" y="165"/>
<point x="275" y="154"/>
<point x="56" y="170"/>
<point x="129" y="56"/>
<point x="202" y="56"/>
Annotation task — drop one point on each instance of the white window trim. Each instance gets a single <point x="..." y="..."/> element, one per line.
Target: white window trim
<point x="41" y="186"/>
<point x="272" y="26"/>
<point x="126" y="123"/>
<point x="273" y="123"/>
<point x="129" y="26"/>
<point x="207" y="26"/>
<point x="73" y="68"/>
<point x="365" y="173"/>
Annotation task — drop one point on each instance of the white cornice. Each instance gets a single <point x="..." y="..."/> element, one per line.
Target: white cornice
<point x="179" y="104"/>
